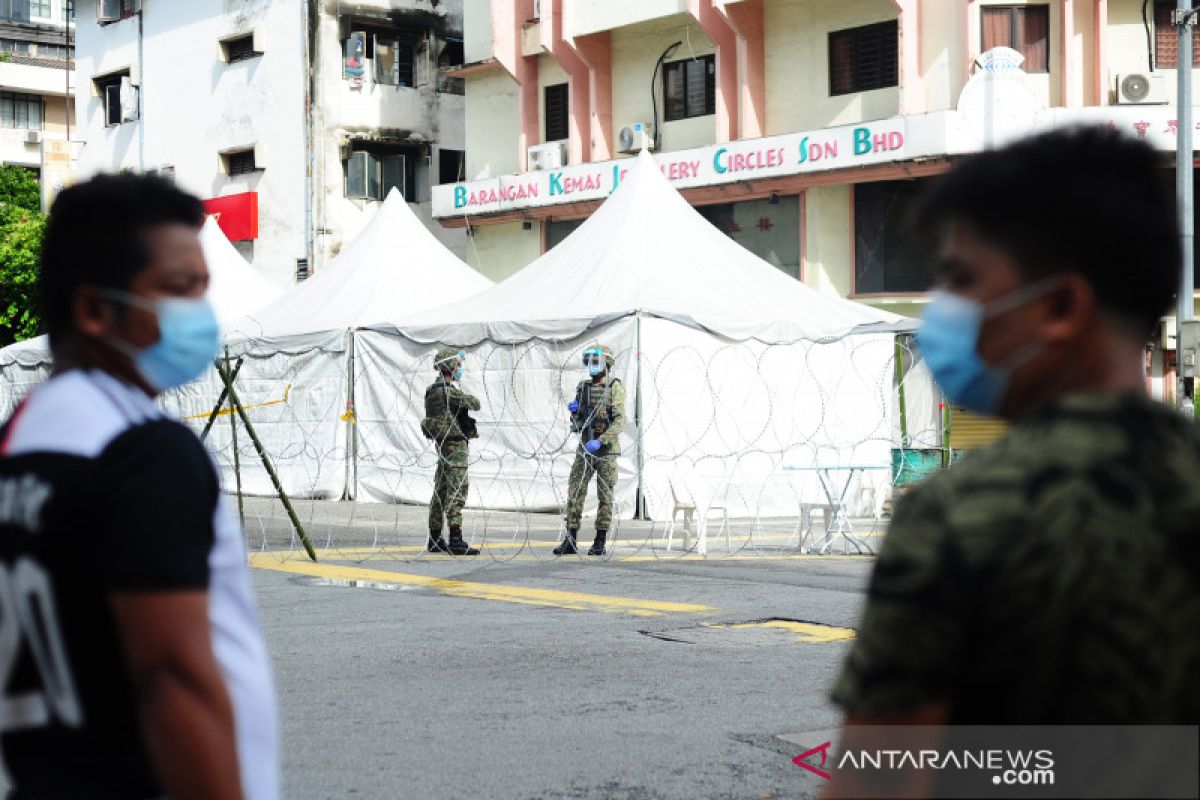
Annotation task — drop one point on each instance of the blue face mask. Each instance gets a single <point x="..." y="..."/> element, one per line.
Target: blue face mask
<point x="458" y="373"/>
<point x="948" y="338"/>
<point x="188" y="340"/>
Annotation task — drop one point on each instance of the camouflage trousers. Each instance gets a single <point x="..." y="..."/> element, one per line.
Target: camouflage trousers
<point x="450" y="485"/>
<point x="605" y="470"/>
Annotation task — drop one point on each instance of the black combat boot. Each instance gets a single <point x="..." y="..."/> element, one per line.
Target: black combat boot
<point x="436" y="543"/>
<point x="458" y="547"/>
<point x="567" y="548"/>
<point x="597" y="548"/>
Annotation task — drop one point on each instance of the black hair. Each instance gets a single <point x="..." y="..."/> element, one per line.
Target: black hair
<point x="1085" y="200"/>
<point x="95" y="235"/>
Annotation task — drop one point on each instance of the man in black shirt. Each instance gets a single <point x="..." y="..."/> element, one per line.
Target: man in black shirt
<point x="109" y="681"/>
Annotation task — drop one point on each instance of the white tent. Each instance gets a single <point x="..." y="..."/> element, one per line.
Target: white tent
<point x="235" y="289"/>
<point x="298" y="352"/>
<point x="395" y="268"/>
<point x="739" y="377"/>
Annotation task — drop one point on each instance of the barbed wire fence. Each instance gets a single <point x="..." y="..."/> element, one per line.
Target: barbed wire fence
<point x="764" y="448"/>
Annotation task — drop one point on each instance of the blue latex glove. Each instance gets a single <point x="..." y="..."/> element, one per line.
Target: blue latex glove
<point x="593" y="446"/>
<point x="573" y="406"/>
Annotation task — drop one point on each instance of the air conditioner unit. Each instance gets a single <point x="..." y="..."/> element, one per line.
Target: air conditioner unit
<point x="1141" y="88"/>
<point x="551" y="155"/>
<point x="636" y="137"/>
<point x="33" y="137"/>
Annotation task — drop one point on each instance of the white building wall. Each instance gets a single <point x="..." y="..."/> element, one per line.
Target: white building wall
<point x="797" y="64"/>
<point x="419" y="114"/>
<point x="15" y="147"/>
<point x="592" y="16"/>
<point x="493" y="125"/>
<point x="635" y="51"/>
<point x="194" y="107"/>
<point x="828" y="235"/>
<point x="500" y="250"/>
<point x="477" y="30"/>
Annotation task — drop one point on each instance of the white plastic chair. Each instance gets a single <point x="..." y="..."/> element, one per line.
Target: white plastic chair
<point x="689" y="507"/>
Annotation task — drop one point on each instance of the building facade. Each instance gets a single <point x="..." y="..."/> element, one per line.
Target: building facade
<point x="291" y="118"/>
<point x="803" y="128"/>
<point x="37" y="45"/>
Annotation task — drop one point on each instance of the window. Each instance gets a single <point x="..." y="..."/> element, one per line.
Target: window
<point x="239" y="49"/>
<point x="391" y="51"/>
<point x="863" y="59"/>
<point x="240" y="162"/>
<point x="14" y="10"/>
<point x="301" y="270"/>
<point x="1025" y="29"/>
<point x="113" y="10"/>
<point x="39" y="8"/>
<point x="556" y="111"/>
<point x="120" y="97"/>
<point x="14" y="46"/>
<point x="890" y="254"/>
<point x="1166" y="39"/>
<point x="373" y="169"/>
<point x="690" y="88"/>
<point x="770" y="230"/>
<point x="55" y="51"/>
<point x="68" y="10"/>
<point x="20" y="111"/>
<point x="452" y="165"/>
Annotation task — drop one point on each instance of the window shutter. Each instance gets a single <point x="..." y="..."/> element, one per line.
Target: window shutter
<point x="356" y="175"/>
<point x="556" y="101"/>
<point x="385" y="61"/>
<point x="128" y="94"/>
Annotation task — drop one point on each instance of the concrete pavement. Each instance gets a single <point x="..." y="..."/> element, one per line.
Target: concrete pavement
<point x="554" y="678"/>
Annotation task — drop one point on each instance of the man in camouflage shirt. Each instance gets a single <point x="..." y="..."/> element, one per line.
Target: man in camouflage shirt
<point x="1053" y="578"/>
<point x="448" y="424"/>
<point x="598" y="415"/>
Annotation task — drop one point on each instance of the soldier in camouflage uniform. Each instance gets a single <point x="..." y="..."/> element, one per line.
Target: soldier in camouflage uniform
<point x="1053" y="578"/>
<point x="598" y="415"/>
<point x="449" y="425"/>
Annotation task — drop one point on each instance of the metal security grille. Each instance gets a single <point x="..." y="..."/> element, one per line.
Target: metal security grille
<point x="1166" y="39"/>
<point x="556" y="113"/>
<point x="862" y="59"/>
<point x="690" y="88"/>
<point x="241" y="163"/>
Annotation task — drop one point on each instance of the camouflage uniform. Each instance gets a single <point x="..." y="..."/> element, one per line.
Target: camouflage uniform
<point x="449" y="426"/>
<point x="1053" y="578"/>
<point x="602" y="413"/>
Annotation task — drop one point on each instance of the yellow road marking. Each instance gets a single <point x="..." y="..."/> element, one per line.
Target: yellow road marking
<point x="525" y="595"/>
<point x="808" y="632"/>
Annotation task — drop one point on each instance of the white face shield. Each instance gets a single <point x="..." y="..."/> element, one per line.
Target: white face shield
<point x="593" y="359"/>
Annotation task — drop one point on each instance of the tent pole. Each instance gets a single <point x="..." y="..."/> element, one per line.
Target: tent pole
<point x="351" y="420"/>
<point x="640" y="502"/>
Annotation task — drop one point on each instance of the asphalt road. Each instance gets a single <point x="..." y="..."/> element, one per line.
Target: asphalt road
<point x="517" y="675"/>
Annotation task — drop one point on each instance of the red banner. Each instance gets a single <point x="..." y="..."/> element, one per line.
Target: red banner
<point x="237" y="215"/>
